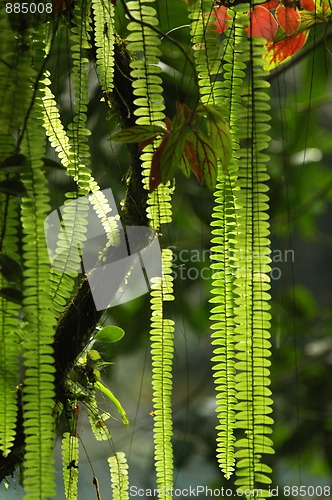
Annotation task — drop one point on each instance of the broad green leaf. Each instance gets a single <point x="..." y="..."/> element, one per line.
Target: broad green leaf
<point x="12" y="186"/>
<point x="108" y="393"/>
<point x="138" y="133"/>
<point x="218" y="133"/>
<point x="14" y="163"/>
<point x="205" y="153"/>
<point x="190" y="156"/>
<point x="184" y="164"/>
<point x="10" y="268"/>
<point x="155" y="176"/>
<point x="173" y="151"/>
<point x="110" y="334"/>
<point x="49" y="163"/>
<point x="12" y="295"/>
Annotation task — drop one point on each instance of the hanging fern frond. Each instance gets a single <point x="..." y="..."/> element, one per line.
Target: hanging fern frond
<point x="68" y="155"/>
<point x="39" y="322"/>
<point x="98" y="422"/>
<point x="252" y="282"/>
<point x="147" y="86"/>
<point x="74" y="216"/>
<point x="9" y="321"/>
<point x="240" y="229"/>
<point x="119" y="476"/>
<point x="104" y="41"/>
<point x="207" y="50"/>
<point x="9" y="329"/>
<point x="70" y="456"/>
<point x="207" y="60"/>
<point x="10" y="283"/>
<point x="162" y="347"/>
<point x="223" y="257"/>
<point x="77" y="130"/>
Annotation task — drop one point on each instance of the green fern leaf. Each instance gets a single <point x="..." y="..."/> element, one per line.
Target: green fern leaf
<point x="104" y="40"/>
<point x="70" y="459"/>
<point x="38" y="390"/>
<point x="119" y="476"/>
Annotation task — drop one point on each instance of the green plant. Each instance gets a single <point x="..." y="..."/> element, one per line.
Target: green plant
<point x="221" y="134"/>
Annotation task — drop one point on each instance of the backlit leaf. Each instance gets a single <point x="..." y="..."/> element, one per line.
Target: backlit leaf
<point x="308" y="5"/>
<point x="190" y="161"/>
<point x="288" y="18"/>
<point x="284" y="49"/>
<point x="110" y="334"/>
<point x="221" y="18"/>
<point x="173" y="150"/>
<point x="155" y="176"/>
<point x="309" y="19"/>
<point x="138" y="133"/>
<point x="219" y="134"/>
<point x="207" y="158"/>
<point x="262" y="23"/>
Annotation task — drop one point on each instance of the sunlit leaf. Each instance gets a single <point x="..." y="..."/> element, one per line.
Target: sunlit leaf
<point x="262" y="23"/>
<point x="221" y="17"/>
<point x="137" y="133"/>
<point x="110" y="333"/>
<point x="288" y="18"/>
<point x="272" y="5"/>
<point x="284" y="49"/>
<point x="155" y="176"/>
<point x="219" y="134"/>
<point x="173" y="150"/>
<point x="107" y="392"/>
<point x="207" y="159"/>
<point x="308" y="5"/>
<point x="189" y="161"/>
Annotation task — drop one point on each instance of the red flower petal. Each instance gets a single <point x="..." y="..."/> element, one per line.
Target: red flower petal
<point x="262" y="23"/>
<point x="221" y="18"/>
<point x="284" y="49"/>
<point x="288" y="18"/>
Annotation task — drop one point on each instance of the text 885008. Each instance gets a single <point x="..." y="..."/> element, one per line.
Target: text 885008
<point x="29" y="8"/>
